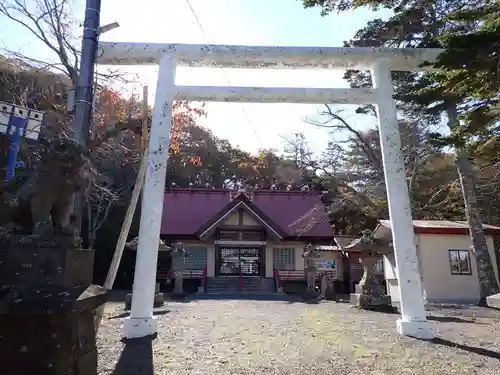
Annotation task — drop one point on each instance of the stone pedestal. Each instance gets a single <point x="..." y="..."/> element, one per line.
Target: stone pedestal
<point x="369" y="294"/>
<point x="47" y="307"/>
<point x="44" y="262"/>
<point x="330" y="294"/>
<point x="423" y="330"/>
<point x="365" y="300"/>
<point x="49" y="330"/>
<point x="493" y="301"/>
<point x="159" y="300"/>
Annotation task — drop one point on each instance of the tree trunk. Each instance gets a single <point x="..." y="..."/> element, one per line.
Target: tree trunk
<point x="486" y="274"/>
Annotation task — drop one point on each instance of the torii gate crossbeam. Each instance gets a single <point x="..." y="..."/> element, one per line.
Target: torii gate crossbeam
<point x="380" y="61"/>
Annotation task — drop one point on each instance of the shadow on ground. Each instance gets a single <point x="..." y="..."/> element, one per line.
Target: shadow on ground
<point x="451" y="319"/>
<point x="471" y="349"/>
<point x="126" y="314"/>
<point x="136" y="357"/>
<point x="173" y="298"/>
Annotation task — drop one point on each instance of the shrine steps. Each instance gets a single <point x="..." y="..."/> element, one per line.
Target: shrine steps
<point x="245" y="285"/>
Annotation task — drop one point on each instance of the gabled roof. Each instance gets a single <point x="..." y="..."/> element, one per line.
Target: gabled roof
<point x="185" y="211"/>
<point x="443" y="227"/>
<point x="344" y="241"/>
<point x="244" y="202"/>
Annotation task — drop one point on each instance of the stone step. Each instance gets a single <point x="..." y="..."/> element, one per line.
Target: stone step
<point x="242" y="283"/>
<point x="223" y="285"/>
<point x="236" y="285"/>
<point x="242" y="293"/>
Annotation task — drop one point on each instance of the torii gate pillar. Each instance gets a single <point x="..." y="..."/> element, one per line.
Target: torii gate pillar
<point x="413" y="322"/>
<point x="380" y="61"/>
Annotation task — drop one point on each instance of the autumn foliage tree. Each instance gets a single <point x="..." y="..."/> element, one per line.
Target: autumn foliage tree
<point x="115" y="140"/>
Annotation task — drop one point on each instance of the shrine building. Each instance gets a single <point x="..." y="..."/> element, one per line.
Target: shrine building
<point x="248" y="240"/>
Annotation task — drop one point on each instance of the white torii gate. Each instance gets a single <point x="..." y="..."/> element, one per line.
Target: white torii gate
<point x="380" y="61"/>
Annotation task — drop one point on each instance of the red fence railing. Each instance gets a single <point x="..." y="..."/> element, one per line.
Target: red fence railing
<point x="289" y="275"/>
<point x="203" y="279"/>
<point x="186" y="274"/>
<point x="277" y="279"/>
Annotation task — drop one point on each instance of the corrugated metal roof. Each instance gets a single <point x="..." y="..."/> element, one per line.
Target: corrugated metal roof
<point x="441" y="225"/>
<point x="186" y="210"/>
<point x="486" y="226"/>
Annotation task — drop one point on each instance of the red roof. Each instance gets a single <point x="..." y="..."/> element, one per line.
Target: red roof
<point x="185" y="211"/>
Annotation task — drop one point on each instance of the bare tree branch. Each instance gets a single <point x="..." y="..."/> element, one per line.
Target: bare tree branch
<point x="47" y="21"/>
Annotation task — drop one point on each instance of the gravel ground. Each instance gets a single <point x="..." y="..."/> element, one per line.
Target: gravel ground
<point x="280" y="337"/>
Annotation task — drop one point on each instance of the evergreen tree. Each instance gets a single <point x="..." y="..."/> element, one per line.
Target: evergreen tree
<point x="466" y="88"/>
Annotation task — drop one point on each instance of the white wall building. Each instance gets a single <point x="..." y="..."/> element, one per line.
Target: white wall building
<point x="447" y="264"/>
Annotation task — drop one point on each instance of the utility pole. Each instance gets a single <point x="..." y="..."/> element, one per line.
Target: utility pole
<point x="84" y="92"/>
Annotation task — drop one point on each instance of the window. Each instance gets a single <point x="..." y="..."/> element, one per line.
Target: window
<point x="326" y="264"/>
<point x="197" y="259"/>
<point x="379" y="266"/>
<point x="460" y="262"/>
<point x="284" y="258"/>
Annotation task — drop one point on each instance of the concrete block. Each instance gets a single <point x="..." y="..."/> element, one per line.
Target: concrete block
<point x="493" y="301"/>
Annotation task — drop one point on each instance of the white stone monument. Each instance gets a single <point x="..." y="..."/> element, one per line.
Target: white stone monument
<point x="380" y="61"/>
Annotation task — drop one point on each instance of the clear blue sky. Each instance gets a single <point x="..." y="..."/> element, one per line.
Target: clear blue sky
<point x="252" y="22"/>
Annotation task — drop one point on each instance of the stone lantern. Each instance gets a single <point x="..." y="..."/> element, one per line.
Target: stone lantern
<point x="369" y="293"/>
<point x="310" y="255"/>
<point x="179" y="255"/>
<point x="159" y="300"/>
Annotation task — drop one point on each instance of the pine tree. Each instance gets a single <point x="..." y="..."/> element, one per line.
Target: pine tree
<point x="466" y="88"/>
